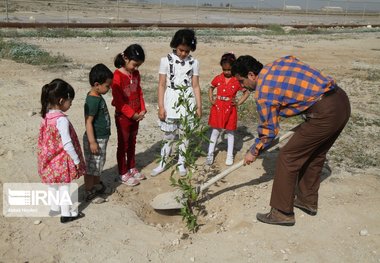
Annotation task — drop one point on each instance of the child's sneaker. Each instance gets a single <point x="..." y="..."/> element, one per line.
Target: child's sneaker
<point x="210" y="159"/>
<point x="136" y="174"/>
<point x="182" y="170"/>
<point x="229" y="160"/>
<point x="129" y="180"/>
<point x="156" y="171"/>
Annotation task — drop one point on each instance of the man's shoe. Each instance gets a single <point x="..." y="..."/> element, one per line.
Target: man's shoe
<point x="308" y="209"/>
<point x="275" y="217"/>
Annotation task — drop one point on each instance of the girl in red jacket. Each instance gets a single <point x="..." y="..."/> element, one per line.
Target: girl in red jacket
<point x="130" y="109"/>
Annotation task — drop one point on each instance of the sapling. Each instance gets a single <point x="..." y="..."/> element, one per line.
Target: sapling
<point x="192" y="134"/>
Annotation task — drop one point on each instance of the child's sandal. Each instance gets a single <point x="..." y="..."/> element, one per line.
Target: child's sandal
<point x="90" y="195"/>
<point x="102" y="188"/>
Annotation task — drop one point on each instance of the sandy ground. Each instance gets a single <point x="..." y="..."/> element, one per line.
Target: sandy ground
<point x="126" y="229"/>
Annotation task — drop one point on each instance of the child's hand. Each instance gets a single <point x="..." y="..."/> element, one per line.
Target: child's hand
<point x="212" y="101"/>
<point x="199" y="112"/>
<point x="79" y="171"/>
<point x="161" y="114"/>
<point x="141" y="116"/>
<point x="135" y="117"/>
<point x="94" y="147"/>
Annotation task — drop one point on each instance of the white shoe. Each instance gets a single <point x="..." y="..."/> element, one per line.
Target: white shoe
<point x="156" y="171"/>
<point x="229" y="160"/>
<point x="210" y="159"/>
<point x="182" y="170"/>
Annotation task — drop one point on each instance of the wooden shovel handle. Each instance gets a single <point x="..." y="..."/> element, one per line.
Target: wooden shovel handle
<point x="223" y="174"/>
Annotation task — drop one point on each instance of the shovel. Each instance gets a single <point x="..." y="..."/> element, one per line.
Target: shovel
<point x="175" y="199"/>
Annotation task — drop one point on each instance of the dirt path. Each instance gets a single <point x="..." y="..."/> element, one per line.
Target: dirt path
<point x="126" y="229"/>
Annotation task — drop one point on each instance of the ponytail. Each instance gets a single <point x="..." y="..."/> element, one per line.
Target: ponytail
<point x="53" y="92"/>
<point x="133" y="52"/>
<point x="44" y="100"/>
<point x="119" y="61"/>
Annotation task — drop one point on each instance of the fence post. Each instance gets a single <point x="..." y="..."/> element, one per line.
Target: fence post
<point x="118" y="10"/>
<point x="364" y="7"/>
<point x="67" y="11"/>
<point x="6" y="9"/>
<point x="229" y="14"/>
<point x="160" y="10"/>
<point x="196" y="10"/>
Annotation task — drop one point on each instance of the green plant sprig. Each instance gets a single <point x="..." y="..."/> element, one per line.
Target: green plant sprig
<point x="192" y="133"/>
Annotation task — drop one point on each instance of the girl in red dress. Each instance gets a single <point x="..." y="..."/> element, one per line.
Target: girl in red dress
<point x="223" y="113"/>
<point x="129" y="104"/>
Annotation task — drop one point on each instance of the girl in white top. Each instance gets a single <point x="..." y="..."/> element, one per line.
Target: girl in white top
<point x="177" y="69"/>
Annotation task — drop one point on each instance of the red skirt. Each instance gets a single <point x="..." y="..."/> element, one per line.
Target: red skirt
<point x="223" y="115"/>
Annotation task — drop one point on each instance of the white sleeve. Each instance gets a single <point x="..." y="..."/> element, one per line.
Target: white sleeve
<point x="164" y="66"/>
<point x="196" y="68"/>
<point x="64" y="131"/>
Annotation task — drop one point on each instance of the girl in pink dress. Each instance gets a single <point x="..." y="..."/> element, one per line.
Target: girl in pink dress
<point x="60" y="158"/>
<point x="223" y="113"/>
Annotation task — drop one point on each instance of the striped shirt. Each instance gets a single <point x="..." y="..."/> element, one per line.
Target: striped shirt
<point x="285" y="88"/>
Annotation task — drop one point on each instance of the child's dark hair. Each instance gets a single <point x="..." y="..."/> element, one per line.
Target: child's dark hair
<point x="245" y="64"/>
<point x="99" y="73"/>
<point x="228" y="58"/>
<point x="53" y="92"/>
<point x="184" y="37"/>
<point x="133" y="52"/>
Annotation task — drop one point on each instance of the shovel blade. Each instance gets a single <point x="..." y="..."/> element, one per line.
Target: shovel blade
<point x="168" y="201"/>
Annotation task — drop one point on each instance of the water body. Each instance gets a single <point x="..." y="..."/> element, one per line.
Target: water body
<point x="345" y="5"/>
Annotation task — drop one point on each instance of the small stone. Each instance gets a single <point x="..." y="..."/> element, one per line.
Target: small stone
<point x="192" y="259"/>
<point x="369" y="26"/>
<point x="10" y="155"/>
<point x="285" y="257"/>
<point x="363" y="232"/>
<point x="107" y="48"/>
<point x="31" y="113"/>
<point x="175" y="242"/>
<point x="37" y="222"/>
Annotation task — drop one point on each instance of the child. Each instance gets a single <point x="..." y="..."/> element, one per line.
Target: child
<point x="223" y="113"/>
<point x="130" y="109"/>
<point x="98" y="130"/>
<point x="60" y="158"/>
<point x="178" y="68"/>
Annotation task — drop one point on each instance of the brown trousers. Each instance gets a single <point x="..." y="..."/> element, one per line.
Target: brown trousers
<point x="303" y="156"/>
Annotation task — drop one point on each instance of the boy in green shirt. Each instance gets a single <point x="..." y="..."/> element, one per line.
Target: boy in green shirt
<point x="98" y="130"/>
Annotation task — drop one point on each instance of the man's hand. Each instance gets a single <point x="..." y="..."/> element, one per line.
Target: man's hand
<point x="249" y="158"/>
